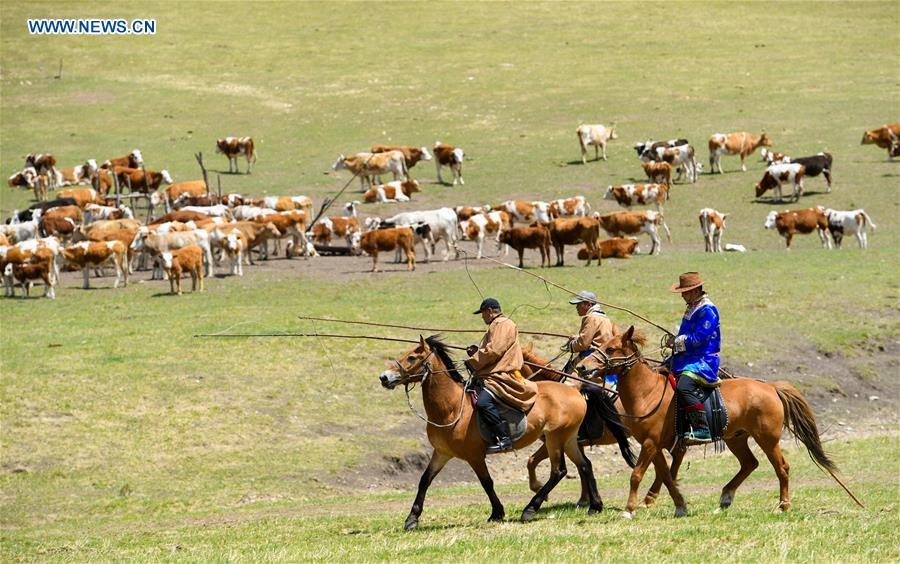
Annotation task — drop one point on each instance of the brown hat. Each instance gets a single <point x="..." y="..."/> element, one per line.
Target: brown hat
<point x="687" y="281"/>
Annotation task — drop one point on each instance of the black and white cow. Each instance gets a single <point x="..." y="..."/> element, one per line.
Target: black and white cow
<point x="842" y="223"/>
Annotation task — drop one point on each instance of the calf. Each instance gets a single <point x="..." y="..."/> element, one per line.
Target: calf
<point x="234" y="147"/>
<point x="257" y="234"/>
<point x="791" y="222"/>
<point x="369" y="166"/>
<point x="133" y="159"/>
<point x="25" y="273"/>
<point x="441" y="222"/>
<point x="176" y="262"/>
<point x="234" y="243"/>
<point x="396" y="191"/>
<point x="412" y="154"/>
<point x="841" y="223"/>
<point x="535" y="237"/>
<point x="374" y="242"/>
<point x="634" y="223"/>
<point x="712" y="226"/>
<point x="448" y="155"/>
<point x="576" y="206"/>
<point x="596" y="135"/>
<point x="526" y="211"/>
<point x="782" y="172"/>
<point x="680" y="157"/>
<point x="87" y="255"/>
<point x="658" y="172"/>
<point x="886" y="137"/>
<point x="350" y="209"/>
<point x="33" y="250"/>
<point x="571" y="232"/>
<point x="741" y="143"/>
<point x="628" y="195"/>
<point x="617" y="247"/>
<point x="478" y="227"/>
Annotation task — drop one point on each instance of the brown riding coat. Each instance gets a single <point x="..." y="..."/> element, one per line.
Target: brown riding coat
<point x="595" y="330"/>
<point x="497" y="362"/>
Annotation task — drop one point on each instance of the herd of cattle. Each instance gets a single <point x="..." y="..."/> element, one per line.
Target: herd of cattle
<point x="80" y="229"/>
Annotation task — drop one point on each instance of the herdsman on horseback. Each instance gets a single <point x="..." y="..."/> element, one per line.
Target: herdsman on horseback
<point x="695" y="361"/>
<point x="496" y="363"/>
<point x="595" y="329"/>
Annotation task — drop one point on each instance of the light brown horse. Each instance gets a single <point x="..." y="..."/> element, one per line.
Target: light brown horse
<point x="452" y="431"/>
<point x="755" y="409"/>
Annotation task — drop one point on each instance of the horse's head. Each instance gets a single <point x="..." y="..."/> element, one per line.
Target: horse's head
<point x="409" y="368"/>
<point x="617" y="355"/>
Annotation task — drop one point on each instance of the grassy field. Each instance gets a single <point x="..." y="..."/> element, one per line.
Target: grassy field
<point x="125" y="438"/>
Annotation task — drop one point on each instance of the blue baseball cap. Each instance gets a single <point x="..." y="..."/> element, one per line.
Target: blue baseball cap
<point x="488" y="303"/>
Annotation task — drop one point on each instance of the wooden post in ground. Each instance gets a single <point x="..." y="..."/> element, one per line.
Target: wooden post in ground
<point x="219" y="186"/>
<point x="199" y="157"/>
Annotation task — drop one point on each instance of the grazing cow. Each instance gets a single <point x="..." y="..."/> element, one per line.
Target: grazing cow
<point x="628" y="195"/>
<point x="334" y="226"/>
<point x="791" y="222"/>
<point x="287" y="203"/>
<point x="465" y="212"/>
<point x="572" y="232"/>
<point x="814" y="166"/>
<point x="389" y="239"/>
<point x="741" y="143"/>
<point x="443" y="225"/>
<point x="633" y="223"/>
<point x="448" y="155"/>
<point x="234" y="243"/>
<point x="576" y="206"/>
<point x="841" y="223"/>
<point x="82" y="196"/>
<point x="80" y="174"/>
<point x="537" y="236"/>
<point x="412" y="154"/>
<point x="478" y="227"/>
<point x="133" y="159"/>
<point x="782" y="172"/>
<point x="396" y="191"/>
<point x="712" y="226"/>
<point x="86" y="255"/>
<point x="25" y="273"/>
<point x="596" y="135"/>
<point x="658" y="172"/>
<point x="886" y="137"/>
<point x="138" y="181"/>
<point x="680" y="158"/>
<point x="371" y="166"/>
<point x="653" y="146"/>
<point x="234" y="147"/>
<point x="24" y="179"/>
<point x="177" y="261"/>
<point x="617" y="247"/>
<point x="43" y="163"/>
<point x="526" y="211"/>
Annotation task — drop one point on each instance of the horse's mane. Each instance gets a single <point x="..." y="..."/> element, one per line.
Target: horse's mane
<point x="440" y="349"/>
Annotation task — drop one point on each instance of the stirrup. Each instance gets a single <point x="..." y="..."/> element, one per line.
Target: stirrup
<point x="503" y="444"/>
<point x="697" y="437"/>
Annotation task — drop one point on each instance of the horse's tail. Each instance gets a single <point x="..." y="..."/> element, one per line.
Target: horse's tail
<point x="603" y="406"/>
<point x="800" y="420"/>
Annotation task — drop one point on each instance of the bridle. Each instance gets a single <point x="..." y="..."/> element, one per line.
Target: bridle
<point x="625" y="364"/>
<point x="426" y="371"/>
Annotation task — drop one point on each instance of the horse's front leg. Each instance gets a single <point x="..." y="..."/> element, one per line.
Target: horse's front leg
<point x="662" y="470"/>
<point x="484" y="476"/>
<point x="435" y="465"/>
<point x="653" y="493"/>
<point x="648" y="451"/>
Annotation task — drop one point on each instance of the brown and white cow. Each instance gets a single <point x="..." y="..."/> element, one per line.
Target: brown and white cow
<point x="177" y="261"/>
<point x="805" y="221"/>
<point x="23" y="179"/>
<point x="617" y="247"/>
<point x="576" y="206"/>
<point x="289" y="224"/>
<point x="234" y="243"/>
<point x="782" y="172"/>
<point x="886" y="137"/>
<point x="712" y="226"/>
<point x="465" y="212"/>
<point x="174" y="191"/>
<point x="287" y="203"/>
<point x="57" y="226"/>
<point x="86" y="255"/>
<point x="43" y="163"/>
<point x="628" y="195"/>
<point x="396" y="191"/>
<point x="842" y="223"/>
<point x="140" y="182"/>
<point x="478" y="227"/>
<point x="392" y="238"/>
<point x="335" y="226"/>
<point x="537" y="236"/>
<point x="234" y="147"/>
<point x="772" y="156"/>
<point x="741" y="143"/>
<point x="412" y="154"/>
<point x="597" y="135"/>
<point x="134" y="159"/>
<point x="633" y="223"/>
<point x="82" y="196"/>
<point x="658" y="172"/>
<point x="572" y="231"/>
<point x="528" y="212"/>
<point x="370" y="166"/>
<point x="27" y="272"/>
<point x="31" y="251"/>
<point x="80" y="174"/>
<point x="448" y="155"/>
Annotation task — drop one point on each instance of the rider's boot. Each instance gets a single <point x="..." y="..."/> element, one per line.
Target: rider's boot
<point x="699" y="431"/>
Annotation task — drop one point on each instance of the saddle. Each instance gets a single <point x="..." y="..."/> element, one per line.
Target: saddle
<point x="516" y="421"/>
<point x="716" y="416"/>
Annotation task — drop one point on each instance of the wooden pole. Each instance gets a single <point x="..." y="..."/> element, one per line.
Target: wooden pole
<point x="199" y="157"/>
<point x="429" y="329"/>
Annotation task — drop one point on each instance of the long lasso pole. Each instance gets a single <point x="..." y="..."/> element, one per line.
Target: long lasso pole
<point x="435" y="329"/>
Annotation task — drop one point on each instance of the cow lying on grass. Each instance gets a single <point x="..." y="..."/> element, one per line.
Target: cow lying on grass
<point x="617" y="247"/>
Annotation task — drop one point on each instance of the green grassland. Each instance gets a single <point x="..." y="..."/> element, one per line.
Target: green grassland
<point x="125" y="438"/>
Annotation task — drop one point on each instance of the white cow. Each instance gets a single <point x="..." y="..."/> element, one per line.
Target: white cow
<point x="596" y="135"/>
<point x="443" y="224"/>
<point x="479" y="226"/>
<point x="527" y="211"/>
<point x="842" y="223"/>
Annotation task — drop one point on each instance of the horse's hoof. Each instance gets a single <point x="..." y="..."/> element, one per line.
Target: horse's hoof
<point x="594" y="510"/>
<point x="582" y="503"/>
<point x="498" y="518"/>
<point x="627" y="515"/>
<point x="725" y="501"/>
<point x="649" y="501"/>
<point x="528" y="514"/>
<point x="680" y="512"/>
<point x="411" y="523"/>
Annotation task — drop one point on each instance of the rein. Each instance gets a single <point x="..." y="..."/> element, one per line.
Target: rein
<point x="425" y="373"/>
<point x="629" y="362"/>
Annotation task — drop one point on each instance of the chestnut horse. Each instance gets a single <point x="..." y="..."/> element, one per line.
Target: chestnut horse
<point x="452" y="431"/>
<point x="755" y="409"/>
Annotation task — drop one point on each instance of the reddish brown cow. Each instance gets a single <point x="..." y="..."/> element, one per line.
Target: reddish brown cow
<point x="886" y="137"/>
<point x="138" y="181"/>
<point x="25" y="273"/>
<point x="658" y="172"/>
<point x="177" y="261"/>
<point x="378" y="240"/>
<point x="617" y="247"/>
<point x="805" y="221"/>
<point x="565" y="231"/>
<point x="61" y="227"/>
<point x="412" y="154"/>
<point x="536" y="236"/>
<point x="289" y="224"/>
<point x="741" y="143"/>
<point x="183" y="216"/>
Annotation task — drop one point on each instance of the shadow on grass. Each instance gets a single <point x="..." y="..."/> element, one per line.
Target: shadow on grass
<point x="788" y="199"/>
